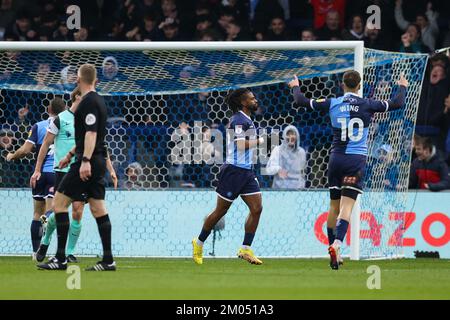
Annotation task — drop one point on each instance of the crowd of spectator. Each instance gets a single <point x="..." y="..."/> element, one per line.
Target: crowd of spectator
<point x="422" y="27"/>
<point x="433" y="121"/>
<point x="419" y="28"/>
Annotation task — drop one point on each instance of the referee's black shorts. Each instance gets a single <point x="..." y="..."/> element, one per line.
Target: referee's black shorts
<point x="59" y="175"/>
<point x="78" y="190"/>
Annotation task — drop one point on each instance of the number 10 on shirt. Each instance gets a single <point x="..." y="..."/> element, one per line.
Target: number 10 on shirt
<point x="350" y="126"/>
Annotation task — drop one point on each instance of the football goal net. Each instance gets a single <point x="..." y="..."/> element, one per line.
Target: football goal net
<point x="166" y="115"/>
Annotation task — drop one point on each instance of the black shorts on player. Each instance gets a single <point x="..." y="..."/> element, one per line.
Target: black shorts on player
<point x="345" y="175"/>
<point x="44" y="187"/>
<point x="79" y="190"/>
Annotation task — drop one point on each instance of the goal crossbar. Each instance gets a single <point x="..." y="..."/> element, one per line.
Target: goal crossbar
<point x="179" y="45"/>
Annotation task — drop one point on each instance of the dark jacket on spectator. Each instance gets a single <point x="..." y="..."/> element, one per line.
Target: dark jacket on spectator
<point x="153" y="35"/>
<point x="348" y="34"/>
<point x="431" y="106"/>
<point x="264" y="12"/>
<point x="277" y="37"/>
<point x="325" y="33"/>
<point x="415" y="47"/>
<point x="381" y="42"/>
<point x="22" y="36"/>
<point x="433" y="171"/>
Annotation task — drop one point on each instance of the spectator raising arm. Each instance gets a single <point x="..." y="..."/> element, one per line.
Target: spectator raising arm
<point x="399" y="18"/>
<point x="433" y="28"/>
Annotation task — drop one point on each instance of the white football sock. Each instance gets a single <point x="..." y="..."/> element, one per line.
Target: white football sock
<point x="337" y="243"/>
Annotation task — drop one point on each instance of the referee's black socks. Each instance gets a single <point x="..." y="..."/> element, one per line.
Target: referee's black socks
<point x="104" y="228"/>
<point x="62" y="229"/>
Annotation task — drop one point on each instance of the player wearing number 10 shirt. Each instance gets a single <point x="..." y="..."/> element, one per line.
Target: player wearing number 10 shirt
<point x="350" y="118"/>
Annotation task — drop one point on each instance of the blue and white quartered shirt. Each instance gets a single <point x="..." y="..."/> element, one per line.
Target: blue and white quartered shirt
<point x="241" y="127"/>
<point x="36" y="136"/>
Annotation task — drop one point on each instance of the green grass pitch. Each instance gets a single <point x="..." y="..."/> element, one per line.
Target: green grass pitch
<point x="229" y="279"/>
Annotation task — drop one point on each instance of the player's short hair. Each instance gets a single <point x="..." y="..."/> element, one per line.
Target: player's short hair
<point x="234" y="99"/>
<point x="76" y="92"/>
<point x="87" y="73"/>
<point x="57" y="105"/>
<point x="351" y="79"/>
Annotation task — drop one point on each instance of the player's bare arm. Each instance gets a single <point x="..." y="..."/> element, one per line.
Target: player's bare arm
<point x="111" y="171"/>
<point x="23" y="151"/>
<point x="89" y="146"/>
<point x="48" y="141"/>
<point x="66" y="160"/>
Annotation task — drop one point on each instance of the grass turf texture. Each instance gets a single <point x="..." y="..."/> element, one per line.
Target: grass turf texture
<point x="229" y="279"/>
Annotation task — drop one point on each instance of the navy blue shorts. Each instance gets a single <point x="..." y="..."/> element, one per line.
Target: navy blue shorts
<point x="345" y="171"/>
<point x="45" y="187"/>
<point x="234" y="182"/>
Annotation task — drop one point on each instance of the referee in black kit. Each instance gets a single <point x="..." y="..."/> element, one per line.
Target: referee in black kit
<point x="85" y="179"/>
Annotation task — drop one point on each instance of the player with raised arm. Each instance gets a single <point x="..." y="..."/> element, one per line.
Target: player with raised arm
<point x="86" y="175"/>
<point x="350" y="118"/>
<point x="61" y="133"/>
<point x="43" y="190"/>
<point x="236" y="176"/>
